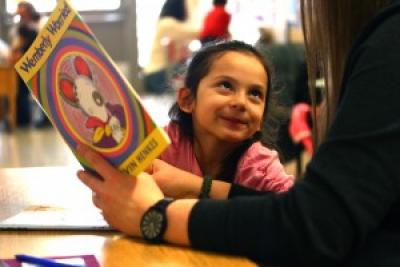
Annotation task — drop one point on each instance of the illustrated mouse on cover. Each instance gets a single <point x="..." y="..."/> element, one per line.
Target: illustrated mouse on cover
<point x="106" y="119"/>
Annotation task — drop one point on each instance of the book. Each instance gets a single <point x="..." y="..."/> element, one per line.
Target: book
<point x="86" y="97"/>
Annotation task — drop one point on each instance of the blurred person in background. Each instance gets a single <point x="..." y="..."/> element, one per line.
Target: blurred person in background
<point x="216" y="23"/>
<point x="4" y="52"/>
<point x="175" y="29"/>
<point x="22" y="36"/>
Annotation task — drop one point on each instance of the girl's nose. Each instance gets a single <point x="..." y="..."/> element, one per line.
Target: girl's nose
<point x="239" y="100"/>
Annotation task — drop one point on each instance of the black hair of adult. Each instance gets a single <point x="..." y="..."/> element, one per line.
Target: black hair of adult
<point x="175" y="9"/>
<point x="35" y="16"/>
<point x="219" y="2"/>
<point x="198" y="68"/>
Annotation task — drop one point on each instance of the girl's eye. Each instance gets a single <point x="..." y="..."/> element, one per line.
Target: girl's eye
<point x="256" y="93"/>
<point x="225" y="85"/>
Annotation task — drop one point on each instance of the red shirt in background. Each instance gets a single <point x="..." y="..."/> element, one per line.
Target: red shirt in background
<point x="216" y="23"/>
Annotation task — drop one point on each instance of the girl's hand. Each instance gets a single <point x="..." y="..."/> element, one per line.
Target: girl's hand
<point x="175" y="182"/>
<point x="122" y="198"/>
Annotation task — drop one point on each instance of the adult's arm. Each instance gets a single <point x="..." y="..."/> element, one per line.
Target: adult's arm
<point x="350" y="185"/>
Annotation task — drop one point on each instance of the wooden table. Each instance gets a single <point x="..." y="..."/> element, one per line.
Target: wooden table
<point x="22" y="187"/>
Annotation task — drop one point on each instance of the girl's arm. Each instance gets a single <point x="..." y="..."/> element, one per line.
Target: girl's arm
<point x="177" y="183"/>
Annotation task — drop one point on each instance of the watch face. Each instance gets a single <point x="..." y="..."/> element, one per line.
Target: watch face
<point x="152" y="224"/>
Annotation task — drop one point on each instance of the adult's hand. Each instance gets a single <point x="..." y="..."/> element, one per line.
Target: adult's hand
<point x="122" y="198"/>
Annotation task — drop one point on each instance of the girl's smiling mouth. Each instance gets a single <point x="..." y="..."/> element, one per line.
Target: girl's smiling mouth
<point x="233" y="120"/>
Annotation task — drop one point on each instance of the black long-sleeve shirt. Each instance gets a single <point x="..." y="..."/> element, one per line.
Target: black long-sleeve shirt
<point x="346" y="211"/>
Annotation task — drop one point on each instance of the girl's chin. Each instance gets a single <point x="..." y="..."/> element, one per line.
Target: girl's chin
<point x="233" y="139"/>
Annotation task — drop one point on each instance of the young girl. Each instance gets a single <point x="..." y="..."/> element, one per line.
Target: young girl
<point x="216" y="122"/>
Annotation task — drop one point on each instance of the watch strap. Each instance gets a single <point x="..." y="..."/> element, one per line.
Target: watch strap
<point x="160" y="207"/>
<point x="162" y="204"/>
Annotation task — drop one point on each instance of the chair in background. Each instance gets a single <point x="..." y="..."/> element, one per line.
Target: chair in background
<point x="290" y="81"/>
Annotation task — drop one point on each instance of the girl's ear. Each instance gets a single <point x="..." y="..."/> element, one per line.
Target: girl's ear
<point x="185" y="100"/>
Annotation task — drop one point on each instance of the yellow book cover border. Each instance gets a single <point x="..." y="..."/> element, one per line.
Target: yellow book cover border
<point x="148" y="150"/>
<point x="47" y="39"/>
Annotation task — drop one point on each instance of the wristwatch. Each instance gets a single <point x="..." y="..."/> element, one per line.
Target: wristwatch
<point x="154" y="221"/>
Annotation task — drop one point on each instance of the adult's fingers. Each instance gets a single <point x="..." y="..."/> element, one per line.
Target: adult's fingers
<point x="91" y="181"/>
<point x="96" y="200"/>
<point x="97" y="162"/>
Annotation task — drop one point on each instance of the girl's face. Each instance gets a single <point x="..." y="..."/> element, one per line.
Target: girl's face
<point x="230" y="99"/>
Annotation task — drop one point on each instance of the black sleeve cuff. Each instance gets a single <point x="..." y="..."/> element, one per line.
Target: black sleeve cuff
<point x="239" y="190"/>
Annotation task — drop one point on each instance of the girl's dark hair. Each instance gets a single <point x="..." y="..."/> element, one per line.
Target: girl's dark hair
<point x="175" y="9"/>
<point x="198" y="68"/>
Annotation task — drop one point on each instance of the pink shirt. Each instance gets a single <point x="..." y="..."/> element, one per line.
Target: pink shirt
<point x="259" y="168"/>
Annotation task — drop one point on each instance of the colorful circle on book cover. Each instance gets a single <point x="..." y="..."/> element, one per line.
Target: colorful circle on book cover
<point x="89" y="102"/>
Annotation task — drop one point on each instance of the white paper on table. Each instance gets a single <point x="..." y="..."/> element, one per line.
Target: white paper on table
<point x="41" y="217"/>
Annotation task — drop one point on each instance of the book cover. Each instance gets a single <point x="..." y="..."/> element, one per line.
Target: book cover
<point x="86" y="97"/>
<point x="79" y="260"/>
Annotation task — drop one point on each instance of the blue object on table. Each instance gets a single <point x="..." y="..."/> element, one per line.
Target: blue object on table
<point x="43" y="262"/>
